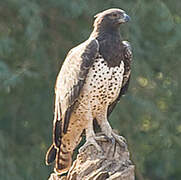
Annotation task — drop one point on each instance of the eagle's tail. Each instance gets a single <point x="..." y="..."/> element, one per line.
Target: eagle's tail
<point x="52" y="151"/>
<point x="62" y="156"/>
<point x="63" y="160"/>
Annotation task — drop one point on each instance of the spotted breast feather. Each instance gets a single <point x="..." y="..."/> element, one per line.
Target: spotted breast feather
<point x="127" y="59"/>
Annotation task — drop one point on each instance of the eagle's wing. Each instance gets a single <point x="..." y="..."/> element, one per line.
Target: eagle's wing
<point x="69" y="84"/>
<point x="127" y="58"/>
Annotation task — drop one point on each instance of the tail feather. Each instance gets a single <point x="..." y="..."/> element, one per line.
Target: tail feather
<point x="63" y="160"/>
<point x="58" y="151"/>
<point x="51" y="154"/>
<point x="57" y="133"/>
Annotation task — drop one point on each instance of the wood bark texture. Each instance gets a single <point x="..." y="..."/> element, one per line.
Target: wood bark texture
<point x="113" y="164"/>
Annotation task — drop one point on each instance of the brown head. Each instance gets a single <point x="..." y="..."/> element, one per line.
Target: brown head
<point x="110" y="19"/>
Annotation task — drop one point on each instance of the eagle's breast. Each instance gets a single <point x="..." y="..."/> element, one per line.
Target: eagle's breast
<point x="101" y="88"/>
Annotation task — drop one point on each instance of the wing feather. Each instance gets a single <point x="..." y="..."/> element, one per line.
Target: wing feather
<point x="70" y="82"/>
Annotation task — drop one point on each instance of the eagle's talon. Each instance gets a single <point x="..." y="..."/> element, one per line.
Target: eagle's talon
<point x="90" y="142"/>
<point x="120" y="140"/>
<point x="113" y="145"/>
<point x="114" y="139"/>
<point x="102" y="138"/>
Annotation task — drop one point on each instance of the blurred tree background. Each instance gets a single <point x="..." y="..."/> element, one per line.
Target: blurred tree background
<point x="35" y="36"/>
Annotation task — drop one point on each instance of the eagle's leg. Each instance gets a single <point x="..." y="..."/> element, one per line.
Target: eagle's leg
<point x="119" y="139"/>
<point x="107" y="130"/>
<point x="90" y="138"/>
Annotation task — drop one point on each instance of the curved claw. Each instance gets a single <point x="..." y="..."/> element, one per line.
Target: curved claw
<point x="102" y="137"/>
<point x="120" y="140"/>
<point x="91" y="141"/>
<point x="115" y="138"/>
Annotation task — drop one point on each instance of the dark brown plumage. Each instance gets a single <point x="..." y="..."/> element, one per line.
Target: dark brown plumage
<point x="94" y="76"/>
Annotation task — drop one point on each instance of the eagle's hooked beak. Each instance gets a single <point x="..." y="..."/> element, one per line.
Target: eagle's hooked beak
<point x="124" y="18"/>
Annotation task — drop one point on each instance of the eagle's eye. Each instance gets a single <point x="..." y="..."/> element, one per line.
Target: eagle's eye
<point x="115" y="15"/>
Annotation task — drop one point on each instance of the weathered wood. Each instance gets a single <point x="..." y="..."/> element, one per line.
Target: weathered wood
<point x="113" y="164"/>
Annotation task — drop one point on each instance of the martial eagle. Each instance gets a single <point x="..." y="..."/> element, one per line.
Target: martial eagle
<point x="94" y="76"/>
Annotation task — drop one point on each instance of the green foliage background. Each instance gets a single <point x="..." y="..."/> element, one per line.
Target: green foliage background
<point x="35" y="36"/>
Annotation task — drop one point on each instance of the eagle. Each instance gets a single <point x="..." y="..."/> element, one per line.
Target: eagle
<point x="92" y="79"/>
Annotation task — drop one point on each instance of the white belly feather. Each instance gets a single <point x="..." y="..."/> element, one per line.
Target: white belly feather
<point x="101" y="88"/>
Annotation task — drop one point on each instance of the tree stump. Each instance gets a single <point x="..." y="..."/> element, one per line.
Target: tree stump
<point x="113" y="164"/>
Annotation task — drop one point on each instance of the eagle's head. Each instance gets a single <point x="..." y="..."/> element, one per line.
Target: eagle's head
<point x="110" y="18"/>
